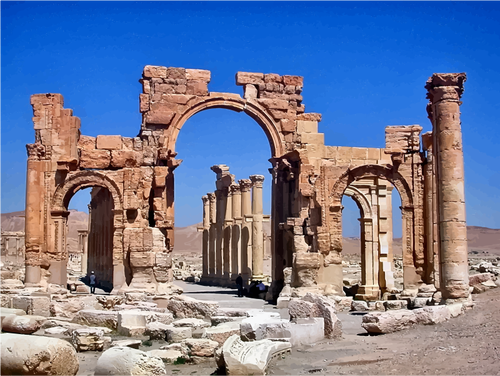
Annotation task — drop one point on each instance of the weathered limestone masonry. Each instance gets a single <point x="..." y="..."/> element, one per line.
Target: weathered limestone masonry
<point x="308" y="182"/>
<point x="12" y="247"/>
<point x="237" y="245"/>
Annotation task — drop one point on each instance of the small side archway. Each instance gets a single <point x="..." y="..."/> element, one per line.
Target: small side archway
<point x="112" y="244"/>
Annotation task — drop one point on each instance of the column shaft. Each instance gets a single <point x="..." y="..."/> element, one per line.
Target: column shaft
<point x="445" y="91"/>
<point x="257" y="230"/>
<point x="246" y="230"/>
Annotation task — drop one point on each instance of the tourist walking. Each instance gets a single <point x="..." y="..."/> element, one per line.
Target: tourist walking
<point x="239" y="283"/>
<point x="93" y="281"/>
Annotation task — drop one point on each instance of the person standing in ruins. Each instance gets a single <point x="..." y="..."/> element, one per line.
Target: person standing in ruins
<point x="239" y="283"/>
<point x="93" y="281"/>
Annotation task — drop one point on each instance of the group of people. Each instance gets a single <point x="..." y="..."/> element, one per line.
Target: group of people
<point x="255" y="289"/>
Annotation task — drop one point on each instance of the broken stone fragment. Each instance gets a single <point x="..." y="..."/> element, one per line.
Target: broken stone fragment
<point x="88" y="339"/>
<point x="388" y="322"/>
<point x="251" y="358"/>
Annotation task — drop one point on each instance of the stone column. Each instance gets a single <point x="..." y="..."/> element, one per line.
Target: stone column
<point x="228" y="223"/>
<point x="246" y="230"/>
<point x="206" y="229"/>
<point x="58" y="265"/>
<point x="444" y="92"/>
<point x="83" y="240"/>
<point x="236" y="232"/>
<point x="212" y="234"/>
<point x="257" y="231"/>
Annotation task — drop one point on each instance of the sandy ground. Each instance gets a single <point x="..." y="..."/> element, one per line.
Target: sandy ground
<point x="467" y="345"/>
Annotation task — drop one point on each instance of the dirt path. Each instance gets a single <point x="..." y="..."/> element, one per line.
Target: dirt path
<point x="467" y="345"/>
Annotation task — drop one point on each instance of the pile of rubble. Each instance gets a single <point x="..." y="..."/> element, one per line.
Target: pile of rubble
<point x="186" y="271"/>
<point x="61" y="324"/>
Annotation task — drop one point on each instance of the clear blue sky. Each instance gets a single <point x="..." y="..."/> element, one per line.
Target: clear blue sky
<point x="365" y="66"/>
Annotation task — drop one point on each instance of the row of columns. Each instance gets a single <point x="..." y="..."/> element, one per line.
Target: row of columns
<point x="233" y="236"/>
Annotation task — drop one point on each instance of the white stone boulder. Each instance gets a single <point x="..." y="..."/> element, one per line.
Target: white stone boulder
<point x="90" y="339"/>
<point x="455" y="309"/>
<point x="56" y="330"/>
<point x="26" y="324"/>
<point x="186" y="307"/>
<point x="133" y="323"/>
<point x="432" y="315"/>
<point x="36" y="355"/>
<point x="94" y="317"/>
<point x="222" y="332"/>
<point x="251" y="358"/>
<point x="128" y="361"/>
<point x="12" y="311"/>
<point x="388" y="322"/>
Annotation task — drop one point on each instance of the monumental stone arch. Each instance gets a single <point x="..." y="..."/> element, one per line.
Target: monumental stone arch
<point x="132" y="182"/>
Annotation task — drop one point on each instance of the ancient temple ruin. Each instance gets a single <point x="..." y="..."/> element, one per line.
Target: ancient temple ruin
<point x="133" y="195"/>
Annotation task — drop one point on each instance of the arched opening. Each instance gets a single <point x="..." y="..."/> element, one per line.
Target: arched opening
<point x="373" y="258"/>
<point x="213" y="138"/>
<point x="100" y="245"/>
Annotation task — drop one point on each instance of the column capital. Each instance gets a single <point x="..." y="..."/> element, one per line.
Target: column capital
<point x="445" y="87"/>
<point x="211" y="197"/>
<point x="245" y="185"/>
<point x="257" y="180"/>
<point x="235" y="189"/>
<point x="205" y="199"/>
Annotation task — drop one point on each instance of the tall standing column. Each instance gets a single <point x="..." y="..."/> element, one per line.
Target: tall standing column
<point x="257" y="231"/>
<point x="228" y="223"/>
<point x="236" y="232"/>
<point x="212" y="234"/>
<point x="206" y="230"/>
<point x="246" y="230"/>
<point x="444" y="92"/>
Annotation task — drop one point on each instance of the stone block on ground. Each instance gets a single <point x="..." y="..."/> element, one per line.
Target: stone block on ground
<point x="222" y="332"/>
<point x="232" y="312"/>
<point x="421" y="302"/>
<point x="12" y="311"/>
<point x="455" y="309"/>
<point x="178" y="334"/>
<point x="132" y="343"/>
<point x="307" y="331"/>
<point x="250" y="358"/>
<point x="201" y="347"/>
<point x="359" y="306"/>
<point x="36" y="355"/>
<point x="192" y="323"/>
<point x="25" y="324"/>
<point x="56" y="330"/>
<point x="69" y="326"/>
<point x="66" y="308"/>
<point x="389" y="321"/>
<point x="90" y="339"/>
<point x="395" y="304"/>
<point x="186" y="307"/>
<point x="326" y="308"/>
<point x="157" y="330"/>
<point x="167" y="356"/>
<point x="255" y="328"/>
<point x="133" y="323"/>
<point x="94" y="317"/>
<point x="32" y="305"/>
<point x="432" y="315"/>
<point x="109" y="301"/>
<point x="128" y="361"/>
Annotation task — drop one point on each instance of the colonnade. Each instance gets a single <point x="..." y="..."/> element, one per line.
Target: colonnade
<point x="233" y="236"/>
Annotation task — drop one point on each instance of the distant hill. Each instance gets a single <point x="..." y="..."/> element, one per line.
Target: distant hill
<point x="482" y="240"/>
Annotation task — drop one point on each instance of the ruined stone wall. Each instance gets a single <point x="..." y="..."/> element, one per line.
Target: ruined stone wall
<point x="308" y="181"/>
